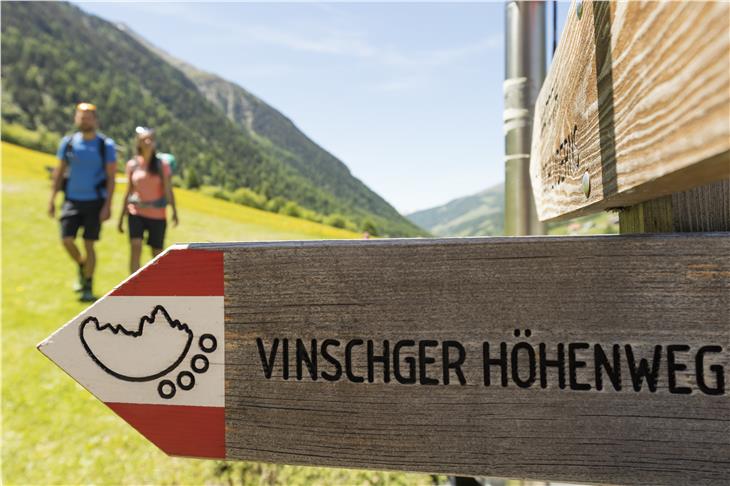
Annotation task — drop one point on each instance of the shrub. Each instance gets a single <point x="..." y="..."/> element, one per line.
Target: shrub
<point x="291" y="209"/>
<point x="247" y="197"/>
<point x="221" y="193"/>
<point x="41" y="140"/>
<point x="370" y="227"/>
<point x="336" y="220"/>
<point x="275" y="204"/>
<point x="192" y="181"/>
<point x="310" y="215"/>
<point x="216" y="192"/>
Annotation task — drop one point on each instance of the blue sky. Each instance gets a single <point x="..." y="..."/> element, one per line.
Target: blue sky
<point x="409" y="96"/>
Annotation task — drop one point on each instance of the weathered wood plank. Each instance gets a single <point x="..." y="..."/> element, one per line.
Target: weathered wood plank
<point x="641" y="291"/>
<point x="571" y="412"/>
<point x="636" y="106"/>
<point x="704" y="208"/>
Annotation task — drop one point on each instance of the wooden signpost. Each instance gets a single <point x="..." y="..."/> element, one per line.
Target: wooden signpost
<point x="588" y="359"/>
<point x="636" y="106"/>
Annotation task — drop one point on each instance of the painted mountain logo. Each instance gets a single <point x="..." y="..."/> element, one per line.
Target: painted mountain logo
<point x="154" y="349"/>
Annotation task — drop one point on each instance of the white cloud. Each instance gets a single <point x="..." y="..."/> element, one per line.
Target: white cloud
<point x="399" y="69"/>
<point x="357" y="46"/>
<point x="402" y="71"/>
<point x="332" y="43"/>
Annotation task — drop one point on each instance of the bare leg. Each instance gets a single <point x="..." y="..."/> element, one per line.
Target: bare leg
<point x="70" y="245"/>
<point x="156" y="251"/>
<point x="90" y="264"/>
<point x="135" y="255"/>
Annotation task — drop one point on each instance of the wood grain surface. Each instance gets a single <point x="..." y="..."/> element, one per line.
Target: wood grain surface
<point x="704" y="208"/>
<point x="637" y="103"/>
<point x="664" y="299"/>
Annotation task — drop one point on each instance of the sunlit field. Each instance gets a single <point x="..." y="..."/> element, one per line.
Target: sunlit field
<point x="55" y="432"/>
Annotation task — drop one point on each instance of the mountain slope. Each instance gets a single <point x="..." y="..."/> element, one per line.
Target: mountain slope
<point x="55" y="55"/>
<point x="480" y="214"/>
<point x="288" y="142"/>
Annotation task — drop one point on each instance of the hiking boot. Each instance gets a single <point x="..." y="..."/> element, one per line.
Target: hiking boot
<point x="78" y="286"/>
<point x="86" y="294"/>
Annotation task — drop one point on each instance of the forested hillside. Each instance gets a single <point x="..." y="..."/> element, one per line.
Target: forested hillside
<point x="55" y="55"/>
<point x="479" y="214"/>
<point x="482" y="214"/>
<point x="288" y="142"/>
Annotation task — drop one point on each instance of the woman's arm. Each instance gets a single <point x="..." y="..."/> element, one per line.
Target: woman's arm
<point x="169" y="195"/>
<point x="123" y="212"/>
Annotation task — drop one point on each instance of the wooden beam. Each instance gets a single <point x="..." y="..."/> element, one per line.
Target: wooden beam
<point x="704" y="208"/>
<point x="653" y="216"/>
<point x="636" y="106"/>
<point x="587" y="359"/>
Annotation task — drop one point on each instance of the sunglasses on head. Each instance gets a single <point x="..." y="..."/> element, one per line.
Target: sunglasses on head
<point x="144" y="131"/>
<point x="86" y="107"/>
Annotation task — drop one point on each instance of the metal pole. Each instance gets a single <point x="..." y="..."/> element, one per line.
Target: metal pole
<point x="524" y="73"/>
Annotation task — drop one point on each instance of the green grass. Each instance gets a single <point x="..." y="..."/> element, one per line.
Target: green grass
<point x="54" y="431"/>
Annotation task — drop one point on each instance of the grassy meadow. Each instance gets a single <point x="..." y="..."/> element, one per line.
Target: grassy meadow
<point x="54" y="431"/>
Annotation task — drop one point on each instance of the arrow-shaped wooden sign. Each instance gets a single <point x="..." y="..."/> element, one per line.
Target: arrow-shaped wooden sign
<point x="600" y="359"/>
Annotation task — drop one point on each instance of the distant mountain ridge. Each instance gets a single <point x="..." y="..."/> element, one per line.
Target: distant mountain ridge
<point x="480" y="214"/>
<point x="55" y="55"/>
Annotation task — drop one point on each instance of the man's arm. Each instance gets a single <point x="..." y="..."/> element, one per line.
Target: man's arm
<point x="111" y="173"/>
<point x="58" y="174"/>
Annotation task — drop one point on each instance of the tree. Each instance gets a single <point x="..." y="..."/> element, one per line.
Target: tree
<point x="247" y="197"/>
<point x="336" y="220"/>
<point x="291" y="209"/>
<point x="275" y="204"/>
<point x="369" y="227"/>
<point x="191" y="179"/>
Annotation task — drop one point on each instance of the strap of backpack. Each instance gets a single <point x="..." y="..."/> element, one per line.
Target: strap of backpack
<point x="102" y="154"/>
<point x="102" y="151"/>
<point x="68" y="149"/>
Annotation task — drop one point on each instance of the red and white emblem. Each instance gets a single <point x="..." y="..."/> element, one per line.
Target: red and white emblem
<point x="153" y="351"/>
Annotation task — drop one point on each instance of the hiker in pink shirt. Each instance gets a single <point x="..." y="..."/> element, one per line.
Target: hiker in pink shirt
<point x="149" y="191"/>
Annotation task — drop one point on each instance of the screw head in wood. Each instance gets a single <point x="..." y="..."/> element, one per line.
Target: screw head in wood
<point x="579" y="8"/>
<point x="586" y="184"/>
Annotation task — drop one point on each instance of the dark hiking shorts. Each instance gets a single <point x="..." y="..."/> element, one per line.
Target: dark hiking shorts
<point x="75" y="214"/>
<point x="155" y="230"/>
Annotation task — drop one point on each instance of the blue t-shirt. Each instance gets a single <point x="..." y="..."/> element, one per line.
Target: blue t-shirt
<point x="85" y="167"/>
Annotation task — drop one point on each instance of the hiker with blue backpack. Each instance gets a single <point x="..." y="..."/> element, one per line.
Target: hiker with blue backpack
<point x="85" y="174"/>
<point x="149" y="192"/>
